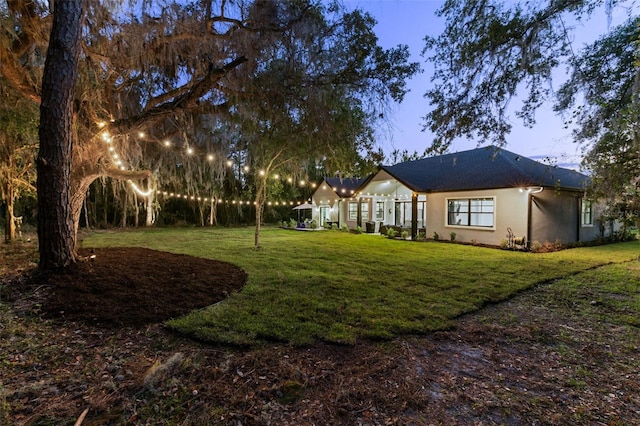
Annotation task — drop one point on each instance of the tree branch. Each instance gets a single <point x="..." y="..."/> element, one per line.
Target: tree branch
<point x="183" y="101"/>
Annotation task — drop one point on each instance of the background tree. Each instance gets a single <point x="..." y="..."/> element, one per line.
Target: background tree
<point x="492" y="51"/>
<point x="602" y="93"/>
<point x="18" y="144"/>
<point x="144" y="62"/>
<point x="318" y="97"/>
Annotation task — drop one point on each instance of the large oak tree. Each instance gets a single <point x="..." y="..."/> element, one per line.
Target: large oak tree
<point x="145" y="65"/>
<point x="58" y="137"/>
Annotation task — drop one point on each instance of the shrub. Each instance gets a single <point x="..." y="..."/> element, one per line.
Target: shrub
<point x="404" y="234"/>
<point x="391" y="233"/>
<point x="345" y="228"/>
<point x="452" y="235"/>
<point x="293" y="223"/>
<point x="314" y="224"/>
<point x="334" y="226"/>
<point x="504" y="244"/>
<point x="358" y="229"/>
<point x="436" y="237"/>
<point x="536" y="247"/>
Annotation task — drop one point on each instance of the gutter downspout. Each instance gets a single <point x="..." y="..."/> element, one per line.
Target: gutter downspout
<point x="530" y="213"/>
<point x="579" y="221"/>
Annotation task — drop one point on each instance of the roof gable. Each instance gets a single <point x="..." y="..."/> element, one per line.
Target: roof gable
<point x="344" y="187"/>
<point x="482" y="168"/>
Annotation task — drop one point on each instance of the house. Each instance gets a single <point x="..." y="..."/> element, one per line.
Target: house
<point x="330" y="197"/>
<point x="487" y="195"/>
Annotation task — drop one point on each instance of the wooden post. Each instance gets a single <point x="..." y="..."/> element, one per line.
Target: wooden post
<point x="414" y="216"/>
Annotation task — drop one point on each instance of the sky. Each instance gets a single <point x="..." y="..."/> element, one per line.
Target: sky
<point x="408" y="22"/>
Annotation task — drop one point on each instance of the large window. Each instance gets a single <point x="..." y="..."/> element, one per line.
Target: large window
<point x="364" y="210"/>
<point x="477" y="212"/>
<point x="379" y="210"/>
<point x="587" y="213"/>
<point x="403" y="214"/>
<point x="353" y="211"/>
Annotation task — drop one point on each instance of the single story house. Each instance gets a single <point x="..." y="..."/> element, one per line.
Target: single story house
<point x="330" y="197"/>
<point x="485" y="195"/>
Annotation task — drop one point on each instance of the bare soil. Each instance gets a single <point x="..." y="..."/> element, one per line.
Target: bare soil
<point x="87" y="346"/>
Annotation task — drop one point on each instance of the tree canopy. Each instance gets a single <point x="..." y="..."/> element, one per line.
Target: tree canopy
<point x="493" y="53"/>
<point x="158" y="68"/>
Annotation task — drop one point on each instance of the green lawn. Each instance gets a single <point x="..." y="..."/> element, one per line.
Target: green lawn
<point x="338" y="287"/>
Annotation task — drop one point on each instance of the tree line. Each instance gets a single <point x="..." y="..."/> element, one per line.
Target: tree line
<point x="99" y="94"/>
<point x="279" y="84"/>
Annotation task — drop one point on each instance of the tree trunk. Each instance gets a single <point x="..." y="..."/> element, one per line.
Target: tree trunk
<point x="57" y="133"/>
<point x="124" y="196"/>
<point x="9" y="218"/>
<point x="151" y="217"/>
<point x="635" y="105"/>
<point x="201" y="213"/>
<point x="78" y="195"/>
<point x="86" y="213"/>
<point x="261" y="195"/>
<point x="150" y="209"/>
<point x="105" y="207"/>
<point x="213" y="212"/>
<point x="136" y="210"/>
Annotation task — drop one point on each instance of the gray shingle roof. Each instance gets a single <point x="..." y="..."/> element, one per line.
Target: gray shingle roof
<point x="482" y="168"/>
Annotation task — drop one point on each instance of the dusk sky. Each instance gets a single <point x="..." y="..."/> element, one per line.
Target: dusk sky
<point x="408" y="22"/>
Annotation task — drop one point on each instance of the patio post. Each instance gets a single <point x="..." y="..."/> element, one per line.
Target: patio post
<point x="414" y="216"/>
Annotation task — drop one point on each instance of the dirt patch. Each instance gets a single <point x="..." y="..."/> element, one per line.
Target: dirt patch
<point x="531" y="360"/>
<point x="136" y="286"/>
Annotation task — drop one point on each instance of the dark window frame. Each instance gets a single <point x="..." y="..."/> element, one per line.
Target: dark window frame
<point x="467" y="211"/>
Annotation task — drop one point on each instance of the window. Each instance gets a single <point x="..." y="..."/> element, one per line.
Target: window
<point x="379" y="210"/>
<point x="353" y="211"/>
<point x="403" y="214"/>
<point x="470" y="212"/>
<point x="587" y="213"/>
<point x="364" y="209"/>
<point x="325" y="215"/>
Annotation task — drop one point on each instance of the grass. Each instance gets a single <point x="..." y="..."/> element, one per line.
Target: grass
<point x="609" y="294"/>
<point x="339" y="287"/>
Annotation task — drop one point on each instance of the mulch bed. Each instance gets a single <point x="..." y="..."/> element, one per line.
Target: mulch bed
<point x="115" y="287"/>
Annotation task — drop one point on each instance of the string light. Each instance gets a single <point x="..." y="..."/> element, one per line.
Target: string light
<point x="139" y="191"/>
<point x="106" y="137"/>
